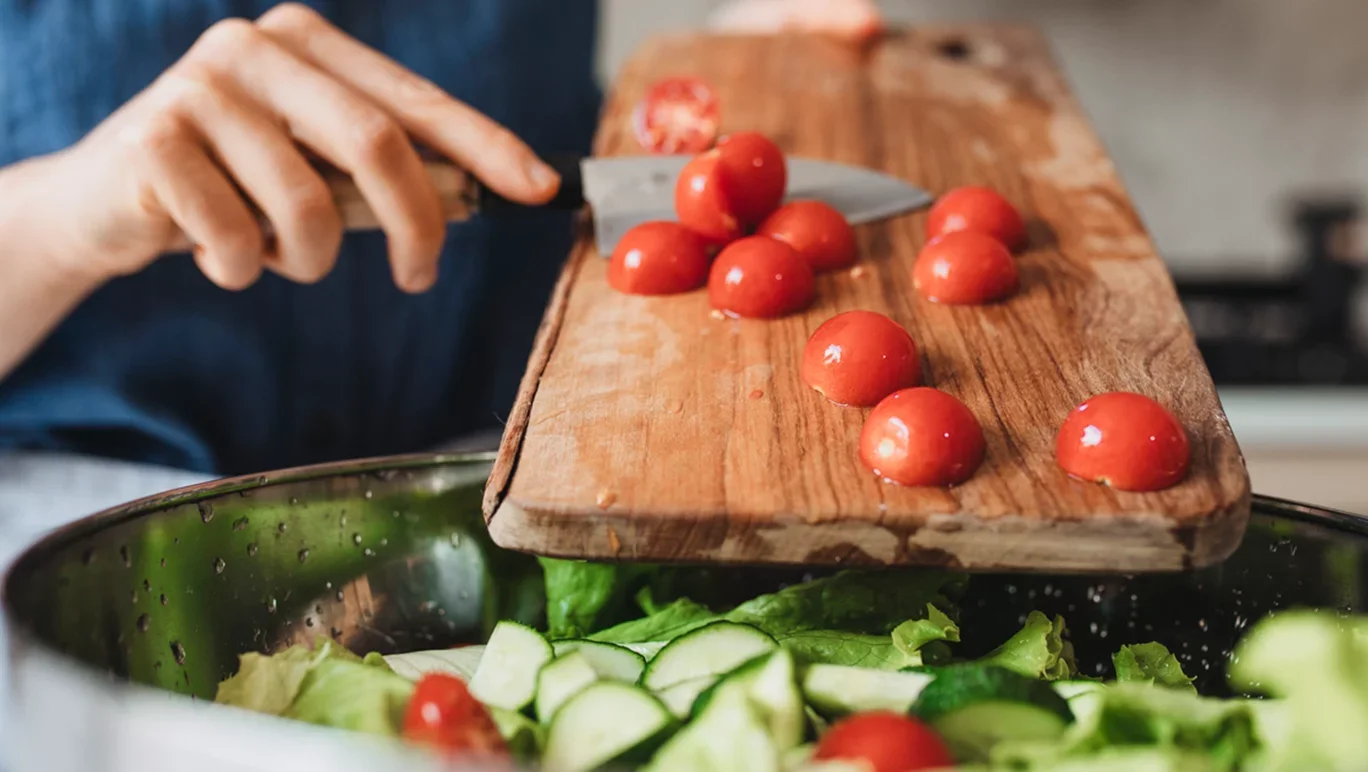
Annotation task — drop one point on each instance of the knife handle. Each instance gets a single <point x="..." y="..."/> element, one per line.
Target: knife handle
<point x="463" y="196"/>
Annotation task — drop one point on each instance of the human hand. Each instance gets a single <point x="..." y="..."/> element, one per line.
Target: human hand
<point x="231" y="122"/>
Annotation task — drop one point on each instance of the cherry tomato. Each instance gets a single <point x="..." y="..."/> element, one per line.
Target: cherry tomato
<point x="443" y="714"/>
<point x="1125" y="440"/>
<point x="677" y="115"/>
<point x="977" y="209"/>
<point x="756" y="174"/>
<point x="964" y="268"/>
<point x="703" y="201"/>
<point x="760" y="278"/>
<point x="819" y="233"/>
<point x="860" y="357"/>
<point x="885" y="742"/>
<point x="658" y="258"/>
<point x="921" y="436"/>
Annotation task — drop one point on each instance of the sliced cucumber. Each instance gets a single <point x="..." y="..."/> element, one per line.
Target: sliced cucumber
<point x="646" y="650"/>
<point x="461" y="662"/>
<point x="507" y="676"/>
<point x="960" y="686"/>
<point x="561" y="679"/>
<point x="524" y="736"/>
<point x="770" y="684"/>
<point x="1085" y="698"/>
<point x="972" y="731"/>
<point x="1070" y="689"/>
<point x="681" y="697"/>
<point x="712" y="649"/>
<point x="618" y="663"/>
<point x="839" y="690"/>
<point x="607" y="721"/>
<point x="729" y="736"/>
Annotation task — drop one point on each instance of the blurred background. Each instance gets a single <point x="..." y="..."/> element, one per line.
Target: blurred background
<point x="1238" y="126"/>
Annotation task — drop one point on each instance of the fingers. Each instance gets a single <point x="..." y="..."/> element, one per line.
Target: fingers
<point x="198" y="197"/>
<point x="269" y="168"/>
<point x="348" y="131"/>
<point x="471" y="139"/>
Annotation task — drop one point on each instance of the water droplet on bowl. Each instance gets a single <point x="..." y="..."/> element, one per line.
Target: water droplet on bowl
<point x="163" y="562"/>
<point x="219" y="565"/>
<point x="240" y="523"/>
<point x="384" y="542"/>
<point x="455" y="539"/>
<point x="368" y="493"/>
<point x="163" y="600"/>
<point x="178" y="652"/>
<point x="282" y="528"/>
<point x="368" y="552"/>
<point x="342" y="521"/>
<point x="206" y="511"/>
<point x="271" y="605"/>
<point x="251" y="550"/>
<point x="144" y="622"/>
<point x="294" y="502"/>
<point x="340" y="596"/>
<point x="127" y="559"/>
<point x="303" y="555"/>
<point x="134" y="596"/>
<point x="356" y="539"/>
<point x="147" y="586"/>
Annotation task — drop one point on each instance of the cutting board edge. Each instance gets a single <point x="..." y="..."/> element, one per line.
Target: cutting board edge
<point x="1145" y="542"/>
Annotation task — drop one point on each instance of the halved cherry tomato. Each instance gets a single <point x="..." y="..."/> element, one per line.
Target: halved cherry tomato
<point x="677" y="115"/>
<point x="964" y="268"/>
<point x="921" y="436"/>
<point x="756" y="174"/>
<point x="1125" y="440"/>
<point x="658" y="258"/>
<point x="860" y="357"/>
<point x="760" y="278"/>
<point x="816" y="229"/>
<point x="885" y="742"/>
<point x="977" y="209"/>
<point x="443" y="714"/>
<point x="703" y="201"/>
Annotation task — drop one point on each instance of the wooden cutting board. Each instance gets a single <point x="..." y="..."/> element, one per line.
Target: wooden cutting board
<point x="649" y="429"/>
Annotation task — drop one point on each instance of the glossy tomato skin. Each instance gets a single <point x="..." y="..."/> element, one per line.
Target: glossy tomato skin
<point x="1125" y="440"/>
<point x="817" y="230"/>
<point x="756" y="174"/>
<point x="442" y="714"/>
<point x="886" y="742"/>
<point x="922" y="436"/>
<point x="859" y="357"/>
<point x="760" y="278"/>
<point x="977" y="209"/>
<point x="658" y="258"/>
<point x="703" y="202"/>
<point x="965" y="268"/>
<point x="677" y="115"/>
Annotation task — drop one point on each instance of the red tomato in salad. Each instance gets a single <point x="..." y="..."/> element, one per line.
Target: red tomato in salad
<point x="658" y="258"/>
<point x="677" y="115"/>
<point x="816" y="229"/>
<point x="756" y="174"/>
<point x="921" y="436"/>
<point x="859" y="357"/>
<point x="443" y="714"/>
<point x="965" y="268"/>
<point x="1125" y="440"/>
<point x="977" y="209"/>
<point x="885" y="742"/>
<point x="760" y="278"/>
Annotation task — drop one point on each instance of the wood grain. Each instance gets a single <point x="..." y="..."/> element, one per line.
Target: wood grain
<point x="648" y="429"/>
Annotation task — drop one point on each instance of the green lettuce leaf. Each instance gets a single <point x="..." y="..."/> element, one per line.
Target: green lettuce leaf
<point x="913" y="635"/>
<point x="523" y="735"/>
<point x="1317" y="664"/>
<point x="1151" y="663"/>
<point x="668" y="623"/>
<point x="582" y="597"/>
<point x="833" y="647"/>
<point x="269" y="683"/>
<point x="1038" y="650"/>
<point x="362" y="696"/>
<point x="870" y="602"/>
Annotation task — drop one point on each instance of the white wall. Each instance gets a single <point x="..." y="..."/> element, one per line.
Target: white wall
<point x="1216" y="111"/>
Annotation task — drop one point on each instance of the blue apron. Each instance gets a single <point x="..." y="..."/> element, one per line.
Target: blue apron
<point x="165" y="368"/>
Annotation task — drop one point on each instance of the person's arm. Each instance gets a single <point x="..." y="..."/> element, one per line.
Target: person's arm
<point x="39" y="283"/>
<point x="224" y="131"/>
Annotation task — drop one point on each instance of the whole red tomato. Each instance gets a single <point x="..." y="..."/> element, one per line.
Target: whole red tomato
<point x="978" y="209"/>
<point x="922" y="436"/>
<point x="885" y="742"/>
<point x="1125" y="440"/>
<point x="658" y="258"/>
<point x="443" y="714"/>
<point x="859" y="357"/>
<point x="817" y="230"/>
<point x="760" y="278"/>
<point x="964" y="268"/>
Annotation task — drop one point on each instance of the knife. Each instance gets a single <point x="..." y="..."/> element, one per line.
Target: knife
<point x="626" y="191"/>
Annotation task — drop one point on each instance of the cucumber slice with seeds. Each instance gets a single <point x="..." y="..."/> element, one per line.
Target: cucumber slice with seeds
<point x="713" y="649"/>
<point x="610" y="660"/>
<point x="507" y="675"/>
<point x="562" y="678"/>
<point x="838" y="690"/>
<point x="606" y="722"/>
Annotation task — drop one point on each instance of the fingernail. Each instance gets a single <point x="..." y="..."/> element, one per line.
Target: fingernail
<point x="541" y="175"/>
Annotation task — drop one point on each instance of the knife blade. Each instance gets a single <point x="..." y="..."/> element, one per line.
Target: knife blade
<point x="627" y="191"/>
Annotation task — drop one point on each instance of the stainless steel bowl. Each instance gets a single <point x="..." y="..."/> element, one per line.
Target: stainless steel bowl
<point x="116" y="619"/>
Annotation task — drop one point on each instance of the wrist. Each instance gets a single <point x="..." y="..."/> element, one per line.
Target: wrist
<point x="38" y="223"/>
